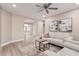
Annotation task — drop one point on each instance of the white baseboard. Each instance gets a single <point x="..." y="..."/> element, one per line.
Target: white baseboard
<point x="11" y="42"/>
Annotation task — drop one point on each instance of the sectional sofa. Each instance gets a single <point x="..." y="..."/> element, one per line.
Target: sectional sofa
<point x="62" y="39"/>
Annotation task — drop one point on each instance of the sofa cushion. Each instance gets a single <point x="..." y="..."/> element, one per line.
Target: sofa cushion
<point x="58" y="35"/>
<point x="70" y="38"/>
<point x="61" y="35"/>
<point x="51" y="34"/>
<point x="58" y="42"/>
<point x="71" y="45"/>
<point x="73" y="41"/>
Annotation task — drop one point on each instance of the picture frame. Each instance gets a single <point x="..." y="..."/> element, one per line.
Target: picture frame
<point x="63" y="25"/>
<point x="53" y="26"/>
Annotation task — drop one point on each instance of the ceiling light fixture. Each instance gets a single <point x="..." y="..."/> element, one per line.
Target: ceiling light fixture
<point x="77" y="3"/>
<point x="14" y="5"/>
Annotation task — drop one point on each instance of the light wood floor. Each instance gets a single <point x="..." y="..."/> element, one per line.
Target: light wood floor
<point x="22" y="49"/>
<point x="10" y="50"/>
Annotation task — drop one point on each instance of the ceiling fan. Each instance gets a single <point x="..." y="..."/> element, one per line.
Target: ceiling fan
<point x="46" y="7"/>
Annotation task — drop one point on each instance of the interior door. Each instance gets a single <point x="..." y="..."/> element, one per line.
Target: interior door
<point x="28" y="30"/>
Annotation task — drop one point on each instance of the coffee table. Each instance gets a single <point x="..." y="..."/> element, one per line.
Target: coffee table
<point x="42" y="45"/>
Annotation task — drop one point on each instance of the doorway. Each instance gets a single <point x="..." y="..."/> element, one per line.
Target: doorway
<point x="28" y="29"/>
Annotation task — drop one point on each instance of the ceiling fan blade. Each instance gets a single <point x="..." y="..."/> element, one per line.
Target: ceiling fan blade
<point x="47" y="11"/>
<point x="53" y="8"/>
<point x="45" y="5"/>
<point x="39" y="6"/>
<point x="41" y="10"/>
<point x="49" y="4"/>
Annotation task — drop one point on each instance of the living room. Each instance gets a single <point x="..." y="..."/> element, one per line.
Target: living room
<point x="39" y="29"/>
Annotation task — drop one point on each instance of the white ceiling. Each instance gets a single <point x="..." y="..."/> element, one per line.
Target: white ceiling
<point x="31" y="11"/>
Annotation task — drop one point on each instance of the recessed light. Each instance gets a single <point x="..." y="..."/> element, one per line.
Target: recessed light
<point x="43" y="16"/>
<point x="14" y="5"/>
<point x="77" y="3"/>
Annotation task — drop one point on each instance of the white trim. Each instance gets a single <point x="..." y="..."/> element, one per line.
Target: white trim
<point x="11" y="42"/>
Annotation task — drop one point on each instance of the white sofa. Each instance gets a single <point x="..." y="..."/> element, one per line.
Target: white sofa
<point x="63" y="39"/>
<point x="63" y="52"/>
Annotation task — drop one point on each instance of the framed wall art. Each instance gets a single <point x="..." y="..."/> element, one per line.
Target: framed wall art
<point x="65" y="25"/>
<point x="53" y="26"/>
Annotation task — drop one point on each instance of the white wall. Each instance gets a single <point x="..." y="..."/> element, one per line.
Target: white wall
<point x="40" y="27"/>
<point x="17" y="27"/>
<point x="12" y="27"/>
<point x="5" y="27"/>
<point x="47" y="22"/>
<point x="75" y="21"/>
<point x="35" y="28"/>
